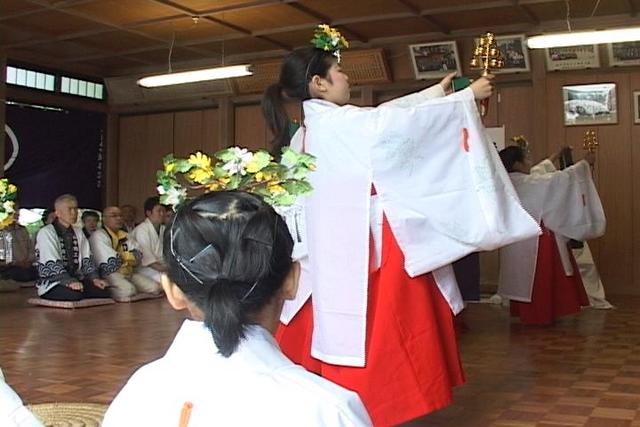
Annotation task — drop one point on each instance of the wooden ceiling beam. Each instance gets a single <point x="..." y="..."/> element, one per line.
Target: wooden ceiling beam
<point x="526" y="12"/>
<point x="427" y="18"/>
<point x="324" y="19"/>
<point x="194" y="13"/>
<point x="477" y="5"/>
<point x="55" y="6"/>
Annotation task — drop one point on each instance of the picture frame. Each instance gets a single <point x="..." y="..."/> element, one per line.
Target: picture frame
<point x="636" y="107"/>
<point x="514" y="52"/>
<point x="434" y="60"/>
<point x="572" y="57"/>
<point x="624" y="54"/>
<point x="590" y="104"/>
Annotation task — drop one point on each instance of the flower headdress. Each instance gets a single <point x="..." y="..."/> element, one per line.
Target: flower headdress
<point x="329" y="39"/>
<point x="521" y="142"/>
<point x="8" y="196"/>
<point x="237" y="168"/>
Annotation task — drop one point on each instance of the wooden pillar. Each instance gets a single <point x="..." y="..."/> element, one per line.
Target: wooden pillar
<point x="226" y="128"/>
<point x="538" y="140"/>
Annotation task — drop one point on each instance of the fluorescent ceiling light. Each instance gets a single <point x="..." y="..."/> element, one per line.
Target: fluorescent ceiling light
<point x="196" y="76"/>
<point x="577" y="38"/>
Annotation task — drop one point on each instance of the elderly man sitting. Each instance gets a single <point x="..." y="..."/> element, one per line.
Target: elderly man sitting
<point x="65" y="265"/>
<point x="117" y="257"/>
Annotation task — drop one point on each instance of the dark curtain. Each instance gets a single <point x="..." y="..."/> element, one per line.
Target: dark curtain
<point x="59" y="152"/>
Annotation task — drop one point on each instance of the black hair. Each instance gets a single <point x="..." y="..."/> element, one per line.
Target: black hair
<point x="510" y="156"/>
<point x="230" y="254"/>
<point x="151" y="203"/>
<point x="89" y="214"/>
<point x="46" y="213"/>
<point x="296" y="72"/>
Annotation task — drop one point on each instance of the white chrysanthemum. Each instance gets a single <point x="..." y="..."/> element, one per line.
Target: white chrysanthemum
<point x="175" y="195"/>
<point x="237" y="165"/>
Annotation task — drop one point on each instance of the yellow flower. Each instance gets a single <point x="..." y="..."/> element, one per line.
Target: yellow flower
<point x="201" y="176"/>
<point x="200" y="160"/>
<point x="12" y="188"/>
<point x="6" y="222"/>
<point x="224" y="180"/>
<point x="214" y="186"/>
<point x="252" y="167"/>
<point x="275" y="189"/>
<point x="169" y="167"/>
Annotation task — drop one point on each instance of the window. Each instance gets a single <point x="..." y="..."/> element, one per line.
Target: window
<point x="54" y="83"/>
<point x="81" y="87"/>
<point x="30" y="78"/>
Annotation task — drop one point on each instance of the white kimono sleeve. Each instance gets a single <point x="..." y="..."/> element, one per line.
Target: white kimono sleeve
<point x="106" y="258"/>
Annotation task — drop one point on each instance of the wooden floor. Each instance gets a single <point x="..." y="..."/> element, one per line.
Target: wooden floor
<point x="584" y="371"/>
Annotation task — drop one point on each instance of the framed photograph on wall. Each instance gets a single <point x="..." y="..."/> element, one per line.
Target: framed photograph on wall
<point x="594" y="104"/>
<point x="636" y="107"/>
<point x="434" y="60"/>
<point x="573" y="57"/>
<point x="515" y="53"/>
<point x="621" y="54"/>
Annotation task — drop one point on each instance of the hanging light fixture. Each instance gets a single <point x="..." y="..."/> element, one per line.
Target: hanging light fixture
<point x="196" y="76"/>
<point x="193" y="76"/>
<point x="578" y="38"/>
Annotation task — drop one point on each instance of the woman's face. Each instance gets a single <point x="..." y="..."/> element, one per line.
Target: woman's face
<point x="336" y="86"/>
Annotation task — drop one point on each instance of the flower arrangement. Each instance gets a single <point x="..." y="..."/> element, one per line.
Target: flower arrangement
<point x="8" y="196"/>
<point x="235" y="168"/>
<point x="329" y="39"/>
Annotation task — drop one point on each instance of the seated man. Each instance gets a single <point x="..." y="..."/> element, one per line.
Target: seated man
<point x="19" y="265"/>
<point x="90" y="220"/>
<point x="117" y="258"/>
<point x="65" y="265"/>
<point x="128" y="217"/>
<point x="148" y="234"/>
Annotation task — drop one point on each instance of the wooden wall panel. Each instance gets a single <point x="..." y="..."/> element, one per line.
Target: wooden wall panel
<point x="144" y="140"/>
<point x="210" y="140"/>
<point x="250" y="128"/>
<point x="187" y="132"/>
<point x="515" y="110"/>
<point x="614" y="166"/>
<point x="195" y="131"/>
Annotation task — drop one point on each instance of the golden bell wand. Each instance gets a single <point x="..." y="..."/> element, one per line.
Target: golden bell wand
<point x="486" y="56"/>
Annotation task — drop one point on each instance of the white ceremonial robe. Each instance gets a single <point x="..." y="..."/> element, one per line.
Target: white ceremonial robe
<point x="588" y="271"/>
<point x="150" y="244"/>
<point x="439" y="182"/>
<point x="255" y="386"/>
<point x="49" y="253"/>
<point x="568" y="204"/>
<point x="13" y="413"/>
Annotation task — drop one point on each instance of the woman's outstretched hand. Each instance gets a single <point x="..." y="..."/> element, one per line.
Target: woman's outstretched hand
<point x="446" y="82"/>
<point x="483" y="87"/>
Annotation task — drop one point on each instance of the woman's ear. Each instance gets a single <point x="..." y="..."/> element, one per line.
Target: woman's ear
<point x="317" y="86"/>
<point x="174" y="294"/>
<point x="290" y="285"/>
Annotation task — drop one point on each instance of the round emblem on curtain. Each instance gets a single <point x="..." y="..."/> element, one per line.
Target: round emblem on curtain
<point x="15" y="147"/>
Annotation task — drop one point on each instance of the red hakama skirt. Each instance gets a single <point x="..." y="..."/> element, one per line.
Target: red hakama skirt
<point x="412" y="360"/>
<point x="554" y="293"/>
